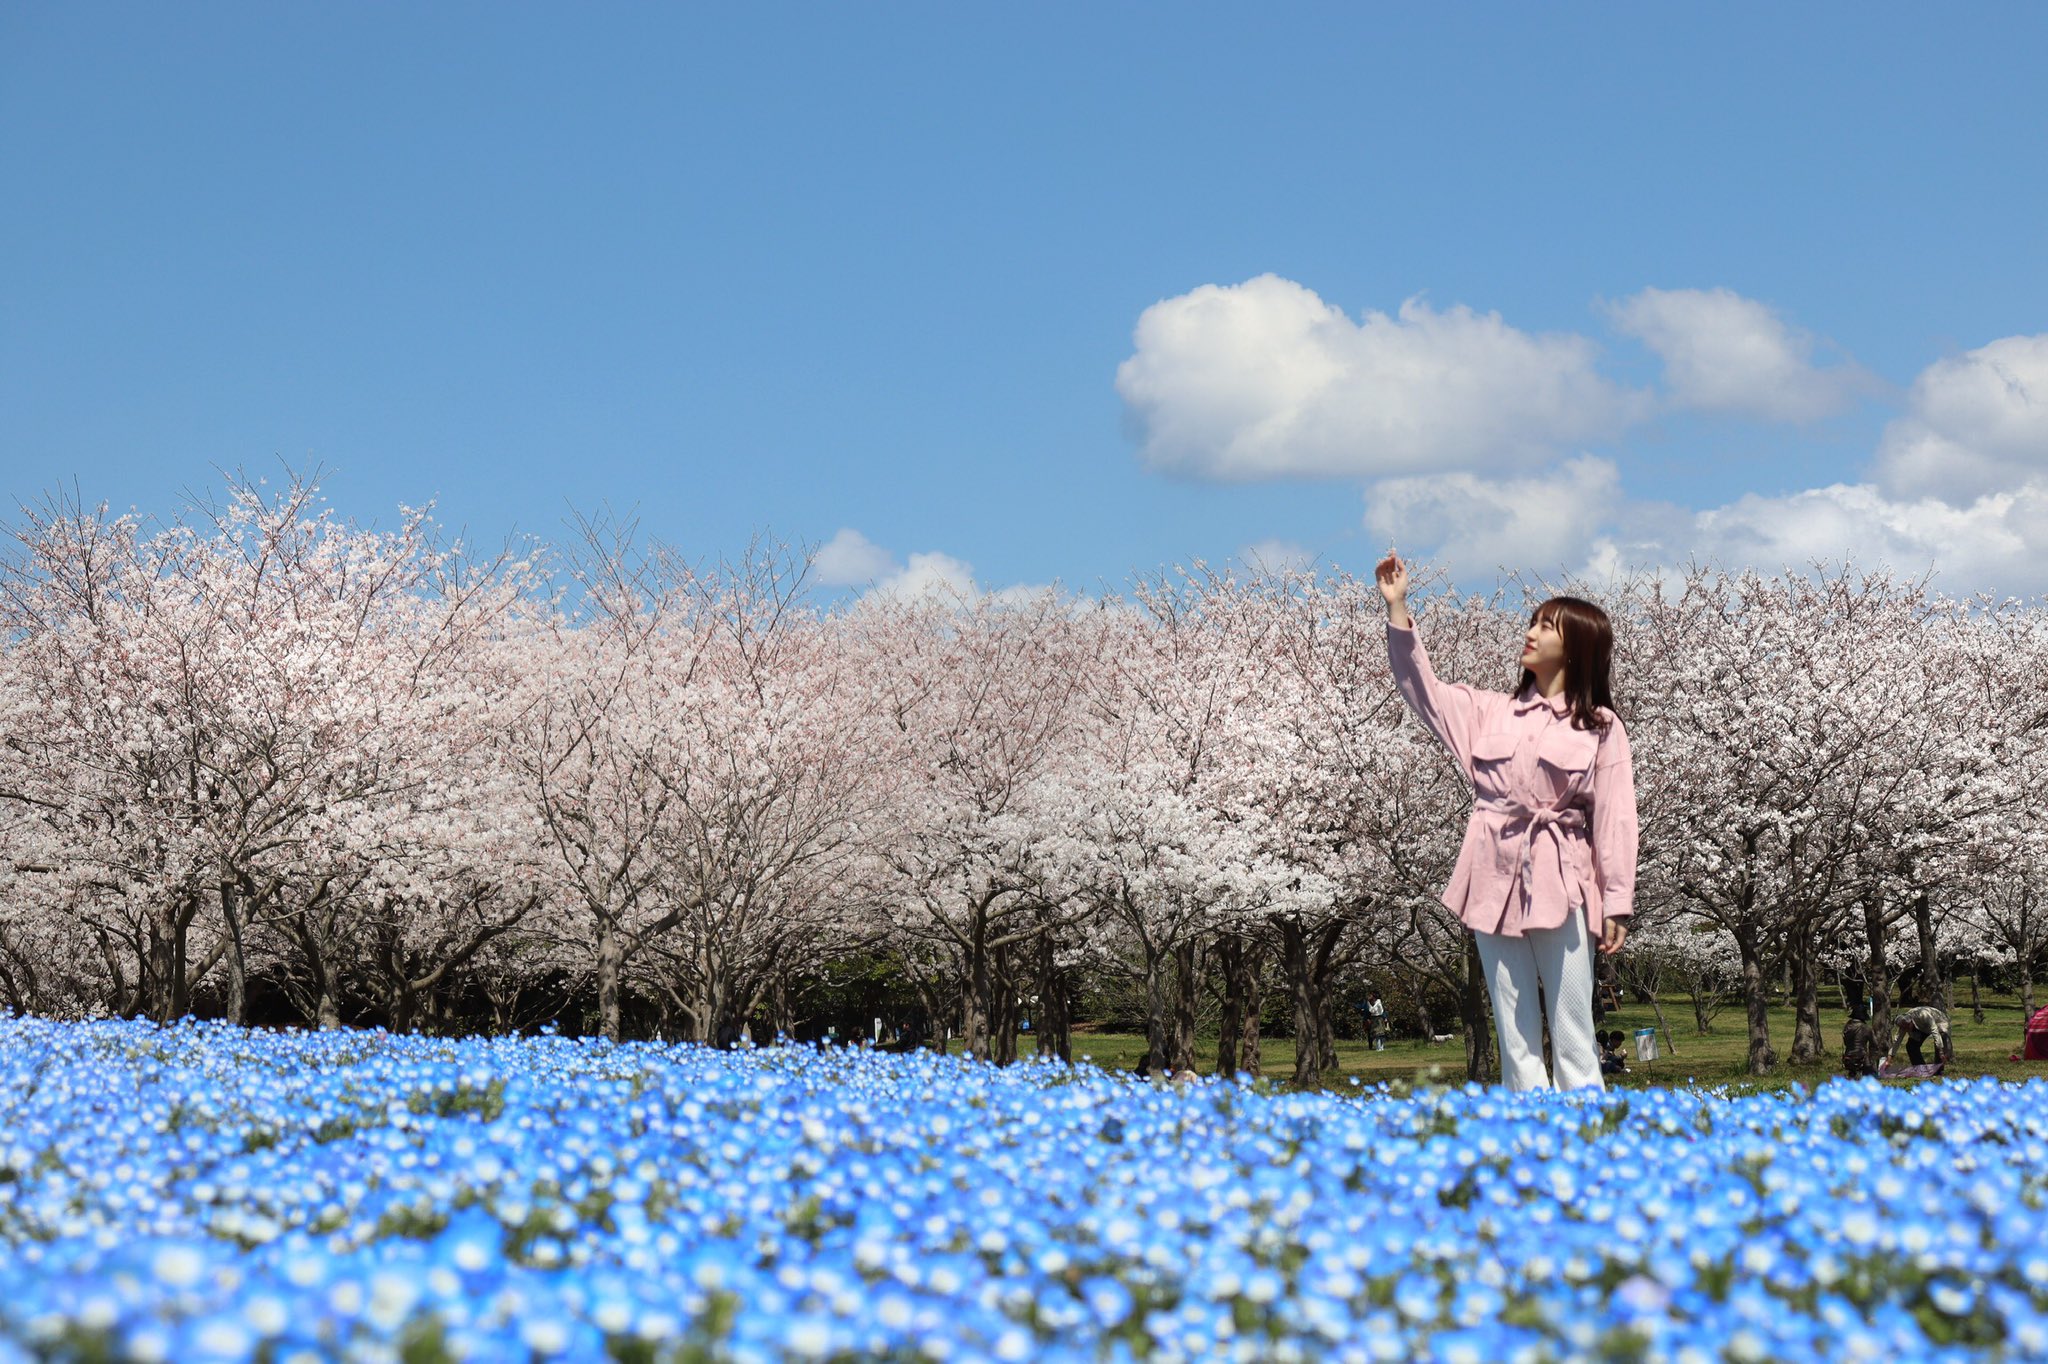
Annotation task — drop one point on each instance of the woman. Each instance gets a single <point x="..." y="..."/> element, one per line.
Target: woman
<point x="1548" y="866"/>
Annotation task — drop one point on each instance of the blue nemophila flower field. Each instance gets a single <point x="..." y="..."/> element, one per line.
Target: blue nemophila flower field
<point x="200" y="1192"/>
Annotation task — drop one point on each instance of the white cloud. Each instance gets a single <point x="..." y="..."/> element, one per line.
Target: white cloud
<point x="1023" y="594"/>
<point x="1974" y="424"/>
<point x="1478" y="524"/>
<point x="849" y="559"/>
<point x="1961" y="485"/>
<point x="1996" y="543"/>
<point x="1962" y="488"/>
<point x="1445" y="413"/>
<point x="1264" y="379"/>
<point x="1280" y="556"/>
<point x="929" y="574"/>
<point x="1726" y="353"/>
<point x="1577" y="521"/>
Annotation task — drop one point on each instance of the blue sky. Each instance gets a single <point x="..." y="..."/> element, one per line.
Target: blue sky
<point x="1547" y="286"/>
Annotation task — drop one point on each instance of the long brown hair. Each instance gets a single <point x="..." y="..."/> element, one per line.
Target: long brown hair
<point x="1588" y="659"/>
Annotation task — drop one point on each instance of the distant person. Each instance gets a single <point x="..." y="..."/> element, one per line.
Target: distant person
<point x="1376" y="1020"/>
<point x="1856" y="1060"/>
<point x="1917" y="1027"/>
<point x="1613" y="1061"/>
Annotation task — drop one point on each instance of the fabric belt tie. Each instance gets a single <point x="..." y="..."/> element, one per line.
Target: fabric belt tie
<point x="1547" y="819"/>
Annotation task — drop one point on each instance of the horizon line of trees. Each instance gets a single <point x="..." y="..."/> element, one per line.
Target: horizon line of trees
<point x="264" y="764"/>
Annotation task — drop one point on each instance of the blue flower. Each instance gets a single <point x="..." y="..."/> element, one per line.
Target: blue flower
<point x="1108" y="1299"/>
<point x="323" y="1192"/>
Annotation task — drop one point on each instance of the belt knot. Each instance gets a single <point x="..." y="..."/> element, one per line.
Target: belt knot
<point x="1533" y="819"/>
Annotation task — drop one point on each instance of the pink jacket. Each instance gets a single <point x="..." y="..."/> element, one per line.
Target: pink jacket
<point x="1554" y="809"/>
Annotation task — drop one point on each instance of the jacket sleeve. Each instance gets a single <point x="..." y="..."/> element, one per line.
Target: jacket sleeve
<point x="1452" y="710"/>
<point x="1614" y="824"/>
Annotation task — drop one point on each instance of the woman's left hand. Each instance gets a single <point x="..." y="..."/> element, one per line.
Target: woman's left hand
<point x="1613" y="934"/>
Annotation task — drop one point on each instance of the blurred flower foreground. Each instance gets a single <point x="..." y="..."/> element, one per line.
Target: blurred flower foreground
<point x="202" y="1192"/>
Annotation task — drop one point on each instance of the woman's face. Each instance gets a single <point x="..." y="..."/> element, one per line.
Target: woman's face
<point x="1543" y="645"/>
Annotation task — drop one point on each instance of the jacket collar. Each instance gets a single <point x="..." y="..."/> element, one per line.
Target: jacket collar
<point x="1527" y="699"/>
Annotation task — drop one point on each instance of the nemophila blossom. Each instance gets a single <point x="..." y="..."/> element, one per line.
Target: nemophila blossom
<point x="273" y="1196"/>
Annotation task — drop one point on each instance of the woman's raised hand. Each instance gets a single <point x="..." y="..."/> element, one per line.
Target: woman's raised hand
<point x="1393" y="579"/>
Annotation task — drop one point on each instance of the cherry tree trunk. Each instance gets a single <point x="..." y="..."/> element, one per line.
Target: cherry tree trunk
<point x="1298" y="960"/>
<point x="1877" y="976"/>
<point x="704" y="1014"/>
<point x="1237" y="1038"/>
<point x="1702" y="1009"/>
<point x="782" y="1018"/>
<point x="611" y="965"/>
<point x="1476" y="1010"/>
<point x="1002" y="1009"/>
<point x="1756" y="1002"/>
<point x="238" y="986"/>
<point x="1326" y="1022"/>
<point x="22" y="995"/>
<point x="931" y="998"/>
<point x="401" y="1004"/>
<point x="1159" y="993"/>
<point x="327" y="1004"/>
<point x="1807" y="1042"/>
<point x="2026" y="954"/>
<point x="503" y="996"/>
<point x="1187" y="966"/>
<point x="1054" y="1023"/>
<point x="1934" y="982"/>
<point x="1250" y="1058"/>
<point x="974" y="1000"/>
<point x="163" y="970"/>
<point x="1419" y="984"/>
<point x="313" y="931"/>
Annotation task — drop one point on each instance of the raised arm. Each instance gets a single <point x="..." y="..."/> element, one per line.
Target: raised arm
<point x="1452" y="710"/>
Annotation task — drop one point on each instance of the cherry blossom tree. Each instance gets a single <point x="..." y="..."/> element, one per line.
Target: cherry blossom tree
<point x="1170" y="807"/>
<point x="600" y="746"/>
<point x="217" y="705"/>
<point x="980" y="697"/>
<point x="773" y="784"/>
<point x="260" y="749"/>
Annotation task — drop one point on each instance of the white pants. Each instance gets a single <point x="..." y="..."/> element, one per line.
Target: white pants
<point x="1561" y="960"/>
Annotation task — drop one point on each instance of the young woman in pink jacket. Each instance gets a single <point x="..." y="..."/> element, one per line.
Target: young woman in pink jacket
<point x="1548" y="867"/>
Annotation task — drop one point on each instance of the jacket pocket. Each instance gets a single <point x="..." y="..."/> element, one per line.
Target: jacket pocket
<point x="1568" y="749"/>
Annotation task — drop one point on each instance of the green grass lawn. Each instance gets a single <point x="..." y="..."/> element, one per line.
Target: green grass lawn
<point x="1720" y="1057"/>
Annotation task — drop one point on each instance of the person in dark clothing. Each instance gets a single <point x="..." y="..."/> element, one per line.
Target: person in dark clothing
<point x="1612" y="1059"/>
<point x="1856" y="1058"/>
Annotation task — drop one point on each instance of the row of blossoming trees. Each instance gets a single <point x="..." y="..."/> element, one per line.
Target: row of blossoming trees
<point x="263" y="753"/>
